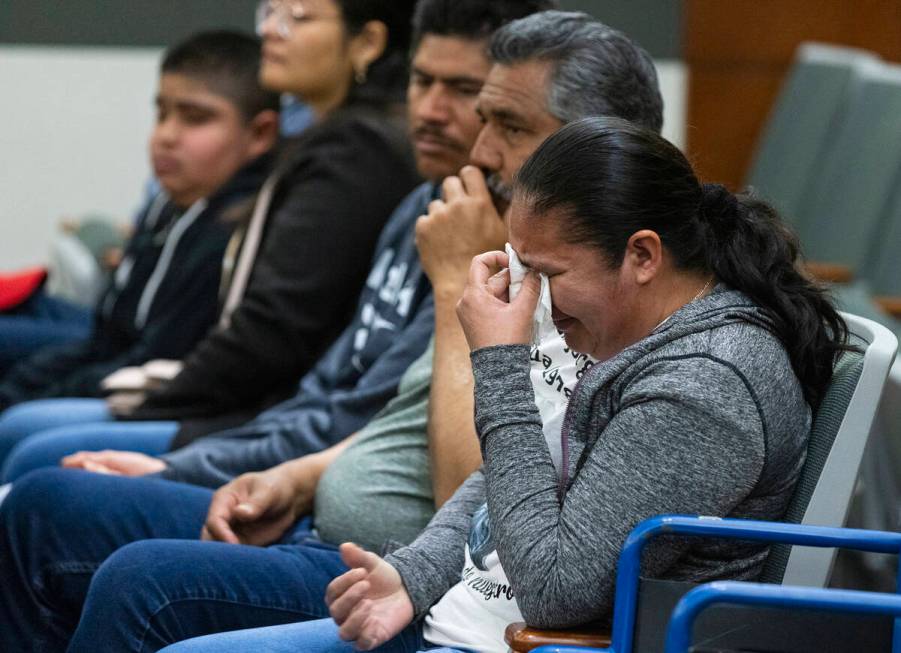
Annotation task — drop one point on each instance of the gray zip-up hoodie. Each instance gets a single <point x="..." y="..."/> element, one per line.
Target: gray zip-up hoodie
<point x="704" y="416"/>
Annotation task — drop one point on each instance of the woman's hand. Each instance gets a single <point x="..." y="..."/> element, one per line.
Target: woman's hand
<point x="488" y="318"/>
<point x="369" y="603"/>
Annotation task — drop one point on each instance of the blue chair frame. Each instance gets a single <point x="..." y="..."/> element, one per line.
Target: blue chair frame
<point x="678" y="633"/>
<point x="629" y="565"/>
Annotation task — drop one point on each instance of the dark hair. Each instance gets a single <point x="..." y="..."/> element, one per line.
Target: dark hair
<point x="612" y="178"/>
<point x="473" y="20"/>
<point x="597" y="70"/>
<point x="228" y="63"/>
<point x="386" y="79"/>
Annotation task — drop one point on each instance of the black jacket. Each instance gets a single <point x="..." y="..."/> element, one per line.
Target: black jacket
<point x="162" y="300"/>
<point x="339" y="182"/>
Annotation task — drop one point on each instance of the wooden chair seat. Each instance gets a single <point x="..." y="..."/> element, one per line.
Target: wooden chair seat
<point x="891" y="305"/>
<point x="521" y="639"/>
<point x="830" y="272"/>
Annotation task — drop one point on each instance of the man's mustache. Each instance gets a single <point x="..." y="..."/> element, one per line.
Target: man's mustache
<point x="437" y="134"/>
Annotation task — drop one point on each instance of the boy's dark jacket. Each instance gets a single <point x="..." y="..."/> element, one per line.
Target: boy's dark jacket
<point x="339" y="182"/>
<point x="180" y="306"/>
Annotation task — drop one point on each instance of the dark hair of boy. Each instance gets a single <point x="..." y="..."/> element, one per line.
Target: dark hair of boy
<point x="228" y="62"/>
<point x="470" y="19"/>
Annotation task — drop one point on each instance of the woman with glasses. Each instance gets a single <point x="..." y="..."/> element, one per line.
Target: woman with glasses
<point x="293" y="273"/>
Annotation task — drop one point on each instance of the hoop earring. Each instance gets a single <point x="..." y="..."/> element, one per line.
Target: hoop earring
<point x="360" y="74"/>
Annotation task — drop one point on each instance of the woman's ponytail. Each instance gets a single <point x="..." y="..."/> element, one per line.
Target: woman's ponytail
<point x="749" y="248"/>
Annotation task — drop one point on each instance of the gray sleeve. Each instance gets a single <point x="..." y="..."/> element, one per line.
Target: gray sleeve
<point x="686" y="437"/>
<point x="432" y="564"/>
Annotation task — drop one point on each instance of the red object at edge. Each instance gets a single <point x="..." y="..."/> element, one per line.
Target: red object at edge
<point x="17" y="287"/>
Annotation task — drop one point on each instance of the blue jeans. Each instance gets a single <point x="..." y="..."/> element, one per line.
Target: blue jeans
<point x="73" y="542"/>
<point x="39" y="433"/>
<point x="309" y="637"/>
<point x="39" y="322"/>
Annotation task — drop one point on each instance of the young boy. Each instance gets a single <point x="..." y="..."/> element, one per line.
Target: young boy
<point x="215" y="126"/>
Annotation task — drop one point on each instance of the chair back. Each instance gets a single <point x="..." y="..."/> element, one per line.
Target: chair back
<point x="839" y="434"/>
<point x="789" y="149"/>
<point x="844" y="204"/>
<point x="882" y="270"/>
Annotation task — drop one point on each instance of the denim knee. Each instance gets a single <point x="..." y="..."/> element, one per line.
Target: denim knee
<point x="32" y="453"/>
<point x="124" y="575"/>
<point x="123" y="596"/>
<point x="23" y="420"/>
<point x="49" y="501"/>
<point x="36" y="522"/>
<point x="32" y="604"/>
<point x="20" y="459"/>
<point x="15" y="416"/>
<point x="33" y="494"/>
<point x="20" y="419"/>
<point x="13" y="427"/>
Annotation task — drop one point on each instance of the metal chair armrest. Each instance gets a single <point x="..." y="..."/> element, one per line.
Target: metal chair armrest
<point x="678" y="634"/>
<point x="629" y="566"/>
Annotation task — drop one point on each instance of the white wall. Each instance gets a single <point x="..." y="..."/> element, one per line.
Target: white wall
<point x="73" y="126"/>
<point x="673" y="77"/>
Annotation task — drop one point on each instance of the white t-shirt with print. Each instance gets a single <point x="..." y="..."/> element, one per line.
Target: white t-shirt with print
<point x="474" y="613"/>
<point x="478" y="608"/>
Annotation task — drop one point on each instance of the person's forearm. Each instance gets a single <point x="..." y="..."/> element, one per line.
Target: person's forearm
<point x="453" y="445"/>
<point x="310" y="468"/>
<point x="216" y="460"/>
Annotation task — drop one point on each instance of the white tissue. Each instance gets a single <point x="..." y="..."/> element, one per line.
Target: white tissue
<point x="555" y="368"/>
<point x="542" y="323"/>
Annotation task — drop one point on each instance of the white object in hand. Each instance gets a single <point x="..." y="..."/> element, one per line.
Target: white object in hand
<point x="542" y="322"/>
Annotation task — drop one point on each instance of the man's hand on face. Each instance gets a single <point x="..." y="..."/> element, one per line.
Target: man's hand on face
<point x="257" y="508"/>
<point x="461" y="226"/>
<point x="116" y="463"/>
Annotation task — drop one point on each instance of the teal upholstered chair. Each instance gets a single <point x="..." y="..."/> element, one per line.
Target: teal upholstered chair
<point x="802" y="122"/>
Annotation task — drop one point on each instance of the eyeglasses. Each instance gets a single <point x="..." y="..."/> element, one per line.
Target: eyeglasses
<point x="288" y="13"/>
